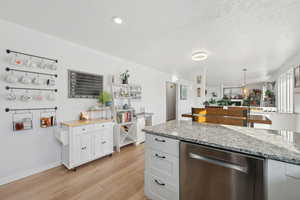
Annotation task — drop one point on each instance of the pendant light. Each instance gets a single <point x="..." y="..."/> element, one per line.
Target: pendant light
<point x="244" y="88"/>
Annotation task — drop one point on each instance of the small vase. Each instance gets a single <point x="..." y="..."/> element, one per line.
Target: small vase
<point x="108" y="103"/>
<point x="125" y="81"/>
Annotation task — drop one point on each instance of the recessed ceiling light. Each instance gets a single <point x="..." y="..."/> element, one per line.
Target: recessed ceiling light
<point x="117" y="20"/>
<point x="199" y="55"/>
<point x="174" y="78"/>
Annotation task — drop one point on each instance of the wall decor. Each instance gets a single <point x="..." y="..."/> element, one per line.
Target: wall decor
<point x="11" y="96"/>
<point x="20" y="59"/>
<point x="297" y="76"/>
<point x="124" y="77"/>
<point x="47" y="119"/>
<point x="11" y="78"/>
<point x="31" y="72"/>
<point x="26" y="97"/>
<point x="8" y="51"/>
<point x="27" y="109"/>
<point x="183" y="92"/>
<point x="198" y="79"/>
<point x="51" y="96"/>
<point x="21" y="88"/>
<point x="37" y="81"/>
<point x="198" y="92"/>
<point x="25" y="79"/>
<point x="84" y="85"/>
<point x="22" y="121"/>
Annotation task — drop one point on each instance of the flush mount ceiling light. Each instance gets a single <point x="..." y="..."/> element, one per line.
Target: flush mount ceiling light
<point x="199" y="55"/>
<point x="117" y="20"/>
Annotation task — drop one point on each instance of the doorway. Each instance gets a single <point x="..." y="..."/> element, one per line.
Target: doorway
<point x="171" y="101"/>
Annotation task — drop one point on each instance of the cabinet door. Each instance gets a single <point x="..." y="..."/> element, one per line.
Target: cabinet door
<point x="76" y="149"/>
<point x="81" y="148"/>
<point x="107" y="140"/>
<point x="85" y="147"/>
<point x="97" y="145"/>
<point x="162" y="164"/>
<point x="159" y="189"/>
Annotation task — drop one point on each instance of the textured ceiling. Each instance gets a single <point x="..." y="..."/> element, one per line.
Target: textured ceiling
<point x="256" y="34"/>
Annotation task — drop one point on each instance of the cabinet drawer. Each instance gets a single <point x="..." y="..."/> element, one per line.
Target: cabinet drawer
<point x="83" y="129"/>
<point x="293" y="171"/>
<point x="157" y="188"/>
<point x="103" y="125"/>
<point x="163" y="144"/>
<point x="163" y="165"/>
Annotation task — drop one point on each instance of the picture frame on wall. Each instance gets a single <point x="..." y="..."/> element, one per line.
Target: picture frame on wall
<point x="183" y="92"/>
<point x="198" y="79"/>
<point x="198" y="92"/>
<point x="297" y="76"/>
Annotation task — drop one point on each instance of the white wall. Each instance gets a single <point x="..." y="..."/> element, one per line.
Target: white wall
<point x="32" y="151"/>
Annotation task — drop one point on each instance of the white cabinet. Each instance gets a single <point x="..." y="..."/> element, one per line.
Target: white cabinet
<point x="102" y="142"/>
<point x="87" y="143"/>
<point x="107" y="141"/>
<point x="140" y="125"/>
<point x="283" y="181"/>
<point x="161" y="168"/>
<point x="97" y="145"/>
<point x="81" y="148"/>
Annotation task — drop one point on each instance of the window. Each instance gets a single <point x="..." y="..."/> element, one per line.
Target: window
<point x="84" y="85"/>
<point x="285" y="92"/>
<point x="233" y="92"/>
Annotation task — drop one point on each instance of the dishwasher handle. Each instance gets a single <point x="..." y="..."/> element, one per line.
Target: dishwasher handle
<point x="219" y="163"/>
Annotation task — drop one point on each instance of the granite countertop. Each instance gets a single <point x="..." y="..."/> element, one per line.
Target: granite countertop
<point x="277" y="145"/>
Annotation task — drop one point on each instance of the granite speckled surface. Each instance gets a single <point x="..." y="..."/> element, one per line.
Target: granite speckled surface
<point x="277" y="145"/>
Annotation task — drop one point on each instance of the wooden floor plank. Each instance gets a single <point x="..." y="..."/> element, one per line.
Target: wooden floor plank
<point x="118" y="177"/>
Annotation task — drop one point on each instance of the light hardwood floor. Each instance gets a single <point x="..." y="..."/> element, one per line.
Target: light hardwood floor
<point x="119" y="177"/>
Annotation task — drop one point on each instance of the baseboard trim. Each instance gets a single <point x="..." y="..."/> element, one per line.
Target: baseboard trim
<point x="18" y="176"/>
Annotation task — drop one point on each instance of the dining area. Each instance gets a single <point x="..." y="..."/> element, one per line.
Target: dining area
<point x="229" y="115"/>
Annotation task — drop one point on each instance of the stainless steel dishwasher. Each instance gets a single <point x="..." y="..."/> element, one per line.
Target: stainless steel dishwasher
<point x="211" y="174"/>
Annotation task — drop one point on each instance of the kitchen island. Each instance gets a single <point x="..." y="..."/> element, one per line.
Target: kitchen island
<point x="279" y="150"/>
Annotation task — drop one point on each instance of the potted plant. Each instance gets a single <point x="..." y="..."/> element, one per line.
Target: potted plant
<point x="206" y="103"/>
<point x="105" y="98"/>
<point x="269" y="93"/>
<point x="124" y="77"/>
<point x="212" y="101"/>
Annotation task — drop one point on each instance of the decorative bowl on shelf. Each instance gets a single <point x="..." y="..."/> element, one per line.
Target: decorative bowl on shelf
<point x="108" y="103"/>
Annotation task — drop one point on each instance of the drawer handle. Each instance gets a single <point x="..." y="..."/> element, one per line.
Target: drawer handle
<point x="219" y="163"/>
<point x="159" y="183"/>
<point x="158" y="156"/>
<point x="83" y="129"/>
<point x="103" y="142"/>
<point x="159" y="140"/>
<point x="83" y="148"/>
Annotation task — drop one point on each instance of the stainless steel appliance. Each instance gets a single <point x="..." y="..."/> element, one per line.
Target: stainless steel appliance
<point x="212" y="174"/>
